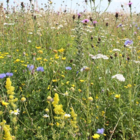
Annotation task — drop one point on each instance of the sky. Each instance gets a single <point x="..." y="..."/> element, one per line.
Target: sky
<point x="115" y="5"/>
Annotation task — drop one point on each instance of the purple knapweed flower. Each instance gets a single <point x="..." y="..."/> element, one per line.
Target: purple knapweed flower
<point x="100" y="131"/>
<point x="2" y="75"/>
<point x="128" y="42"/>
<point x="40" y="69"/>
<point x="79" y="15"/>
<point x="129" y="4"/>
<point x="68" y="68"/>
<point x="94" y="22"/>
<point x="9" y="74"/>
<point x="85" y="21"/>
<point x="30" y="67"/>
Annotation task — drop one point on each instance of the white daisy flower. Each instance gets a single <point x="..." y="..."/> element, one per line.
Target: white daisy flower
<point x="15" y="112"/>
<point x="46" y="116"/>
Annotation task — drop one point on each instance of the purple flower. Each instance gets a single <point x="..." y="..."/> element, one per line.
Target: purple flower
<point x="40" y="69"/>
<point x="2" y="75"/>
<point x="128" y="42"/>
<point x="68" y="68"/>
<point x="30" y="67"/>
<point x="85" y="21"/>
<point x="120" y="25"/>
<point x="79" y="15"/>
<point x="100" y="131"/>
<point x="9" y="74"/>
<point x="94" y="22"/>
<point x="130" y="3"/>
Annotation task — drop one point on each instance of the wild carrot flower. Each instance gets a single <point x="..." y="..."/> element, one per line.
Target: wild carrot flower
<point x="119" y="77"/>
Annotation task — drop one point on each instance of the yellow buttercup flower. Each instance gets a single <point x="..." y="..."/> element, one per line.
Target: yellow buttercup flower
<point x="117" y="96"/>
<point x="96" y="136"/>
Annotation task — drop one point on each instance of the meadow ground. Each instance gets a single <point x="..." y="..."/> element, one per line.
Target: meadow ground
<point x="69" y="76"/>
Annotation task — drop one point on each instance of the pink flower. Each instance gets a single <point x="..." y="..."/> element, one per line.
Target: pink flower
<point x="130" y="3"/>
<point x="94" y="22"/>
<point x="85" y="21"/>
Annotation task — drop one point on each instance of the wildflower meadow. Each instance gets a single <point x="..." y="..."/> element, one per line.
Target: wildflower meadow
<point x="69" y="75"/>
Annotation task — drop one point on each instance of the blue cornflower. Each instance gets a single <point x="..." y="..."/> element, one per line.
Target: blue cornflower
<point x="40" y="69"/>
<point x="128" y="42"/>
<point x="30" y="67"/>
<point x="68" y="68"/>
<point x="100" y="131"/>
<point x="9" y="74"/>
<point x="2" y="75"/>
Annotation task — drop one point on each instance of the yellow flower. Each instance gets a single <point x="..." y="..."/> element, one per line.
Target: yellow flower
<point x="4" y="103"/>
<point x="82" y="80"/>
<point x="40" y="51"/>
<point x="7" y="135"/>
<point x="38" y="47"/>
<point x="66" y="93"/>
<point x="47" y="110"/>
<point x="49" y="98"/>
<point x="1" y="112"/>
<point x="61" y="50"/>
<point x="63" y="58"/>
<point x="23" y="99"/>
<point x="55" y="99"/>
<point x="138" y="37"/>
<point x="54" y="80"/>
<point x="39" y="58"/>
<point x="90" y="99"/>
<point x="45" y="60"/>
<point x="57" y="124"/>
<point x="96" y="136"/>
<point x="17" y="60"/>
<point x="117" y="96"/>
<point x="79" y="90"/>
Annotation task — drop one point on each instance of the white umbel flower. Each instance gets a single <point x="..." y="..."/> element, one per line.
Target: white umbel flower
<point x="120" y="77"/>
<point x="116" y="50"/>
<point x="98" y="56"/>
